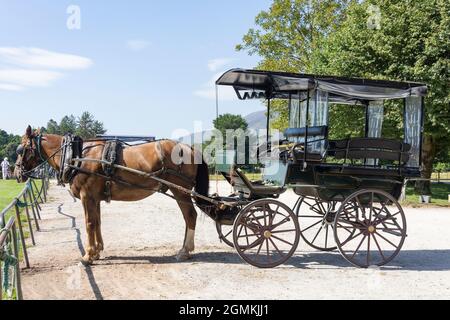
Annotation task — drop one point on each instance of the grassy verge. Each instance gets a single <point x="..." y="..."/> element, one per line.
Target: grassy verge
<point x="440" y="192"/>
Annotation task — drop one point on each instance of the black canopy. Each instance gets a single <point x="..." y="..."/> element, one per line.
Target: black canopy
<point x="251" y="84"/>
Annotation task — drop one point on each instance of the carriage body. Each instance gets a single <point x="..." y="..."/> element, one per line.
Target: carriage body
<point x="352" y="184"/>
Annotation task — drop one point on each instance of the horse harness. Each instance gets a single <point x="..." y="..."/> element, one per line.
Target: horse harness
<point x="112" y="156"/>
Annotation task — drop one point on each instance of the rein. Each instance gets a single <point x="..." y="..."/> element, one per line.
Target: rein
<point x="37" y="140"/>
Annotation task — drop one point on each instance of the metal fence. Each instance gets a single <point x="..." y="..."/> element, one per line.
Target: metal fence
<point x="13" y="241"/>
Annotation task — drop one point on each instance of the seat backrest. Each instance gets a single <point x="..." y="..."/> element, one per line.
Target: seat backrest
<point x="301" y="132"/>
<point x="370" y="148"/>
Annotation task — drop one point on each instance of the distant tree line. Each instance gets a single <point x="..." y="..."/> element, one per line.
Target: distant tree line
<point x="85" y="126"/>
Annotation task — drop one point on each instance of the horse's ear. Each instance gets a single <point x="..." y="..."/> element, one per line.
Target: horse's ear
<point x="29" y="132"/>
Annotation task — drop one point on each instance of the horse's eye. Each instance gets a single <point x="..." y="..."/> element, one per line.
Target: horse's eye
<point x="19" y="150"/>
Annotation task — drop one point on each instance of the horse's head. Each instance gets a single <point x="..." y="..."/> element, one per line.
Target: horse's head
<point x="27" y="155"/>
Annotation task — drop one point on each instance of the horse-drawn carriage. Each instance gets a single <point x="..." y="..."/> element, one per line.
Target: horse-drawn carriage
<point x="348" y="189"/>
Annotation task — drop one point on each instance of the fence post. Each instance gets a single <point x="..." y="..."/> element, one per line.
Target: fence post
<point x="38" y="192"/>
<point x="34" y="201"/>
<point x="32" y="209"/>
<point x="17" y="267"/>
<point x="30" y="225"/>
<point x="44" y="188"/>
<point x="22" y="238"/>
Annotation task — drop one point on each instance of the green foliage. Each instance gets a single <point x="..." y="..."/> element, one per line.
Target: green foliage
<point x="230" y="122"/>
<point x="287" y="35"/>
<point x="8" y="146"/>
<point x="333" y="37"/>
<point x="88" y="127"/>
<point x="412" y="44"/>
<point x="85" y="126"/>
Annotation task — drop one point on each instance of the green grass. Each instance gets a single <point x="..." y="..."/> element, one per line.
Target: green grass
<point x="9" y="189"/>
<point x="440" y="193"/>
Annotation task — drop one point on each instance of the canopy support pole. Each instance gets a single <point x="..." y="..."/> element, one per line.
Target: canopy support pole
<point x="268" y="124"/>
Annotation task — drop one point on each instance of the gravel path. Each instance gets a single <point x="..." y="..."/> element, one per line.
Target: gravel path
<point x="142" y="239"/>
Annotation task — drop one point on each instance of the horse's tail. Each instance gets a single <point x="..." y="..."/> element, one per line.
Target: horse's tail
<point x="202" y="187"/>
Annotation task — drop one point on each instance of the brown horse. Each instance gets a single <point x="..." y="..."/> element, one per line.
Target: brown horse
<point x="90" y="188"/>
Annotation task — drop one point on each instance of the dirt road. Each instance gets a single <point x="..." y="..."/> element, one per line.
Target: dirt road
<point x="142" y="239"/>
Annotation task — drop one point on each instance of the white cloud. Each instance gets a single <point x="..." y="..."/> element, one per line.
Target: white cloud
<point x="10" y="87"/>
<point x="36" y="57"/>
<point x="137" y="44"/>
<point x="216" y="64"/>
<point x="34" y="67"/>
<point x="28" y="78"/>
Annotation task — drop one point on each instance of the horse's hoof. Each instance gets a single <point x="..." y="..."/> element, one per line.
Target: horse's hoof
<point x="86" y="261"/>
<point x="96" y="257"/>
<point x="183" y="255"/>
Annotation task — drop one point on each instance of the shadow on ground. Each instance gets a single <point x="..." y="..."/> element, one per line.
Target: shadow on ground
<point x="409" y="260"/>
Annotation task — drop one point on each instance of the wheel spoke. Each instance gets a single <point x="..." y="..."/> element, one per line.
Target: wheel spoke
<point x="287" y="219"/>
<point x="276" y="248"/>
<point x="378" y="246"/>
<point x="317" y="234"/>
<point x="283" y="231"/>
<point x="353" y="238"/>
<point x="315" y="217"/>
<point x="359" y="246"/>
<point x="229" y="232"/>
<point x="386" y="240"/>
<point x="311" y="226"/>
<point x="368" y="250"/>
<point x="326" y="237"/>
<point x="282" y="240"/>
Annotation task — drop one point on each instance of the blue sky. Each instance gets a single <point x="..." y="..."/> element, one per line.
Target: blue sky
<point x="142" y="67"/>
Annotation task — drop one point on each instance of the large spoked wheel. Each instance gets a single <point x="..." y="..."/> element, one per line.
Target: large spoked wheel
<point x="225" y="233"/>
<point x="316" y="220"/>
<point x="266" y="233"/>
<point x="377" y="225"/>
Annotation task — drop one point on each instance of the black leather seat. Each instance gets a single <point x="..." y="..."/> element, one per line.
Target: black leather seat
<point x="254" y="190"/>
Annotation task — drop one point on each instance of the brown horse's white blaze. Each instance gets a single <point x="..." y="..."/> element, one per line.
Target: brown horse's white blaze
<point x="90" y="189"/>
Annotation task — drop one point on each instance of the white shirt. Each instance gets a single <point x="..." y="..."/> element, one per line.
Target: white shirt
<point x="5" y="165"/>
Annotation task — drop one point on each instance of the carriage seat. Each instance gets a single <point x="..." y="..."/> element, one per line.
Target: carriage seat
<point x="253" y="189"/>
<point x="315" y="133"/>
<point x="370" y="148"/>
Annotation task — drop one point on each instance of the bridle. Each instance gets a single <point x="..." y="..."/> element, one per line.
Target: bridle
<point x="27" y="152"/>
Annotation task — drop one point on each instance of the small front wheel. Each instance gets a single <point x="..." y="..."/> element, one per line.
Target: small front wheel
<point x="266" y="233"/>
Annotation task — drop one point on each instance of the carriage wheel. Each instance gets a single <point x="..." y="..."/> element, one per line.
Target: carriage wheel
<point x="225" y="233"/>
<point x="316" y="224"/>
<point x="266" y="233"/>
<point x="378" y="224"/>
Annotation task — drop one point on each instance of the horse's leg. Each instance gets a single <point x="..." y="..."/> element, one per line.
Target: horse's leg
<point x="98" y="233"/>
<point x="190" y="217"/>
<point x="90" y="216"/>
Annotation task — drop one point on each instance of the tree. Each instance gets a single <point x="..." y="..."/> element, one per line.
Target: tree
<point x="230" y="122"/>
<point x="68" y="124"/>
<point x="413" y="44"/>
<point x="288" y="36"/>
<point x="52" y="127"/>
<point x="88" y="127"/>
<point x="8" y="145"/>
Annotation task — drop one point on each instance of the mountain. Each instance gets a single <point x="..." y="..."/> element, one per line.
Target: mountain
<point x="256" y="121"/>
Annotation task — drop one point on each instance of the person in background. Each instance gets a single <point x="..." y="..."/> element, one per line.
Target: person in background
<point x="5" y="169"/>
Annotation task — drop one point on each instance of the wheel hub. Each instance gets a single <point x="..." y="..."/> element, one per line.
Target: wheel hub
<point x="267" y="234"/>
<point x="371" y="229"/>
